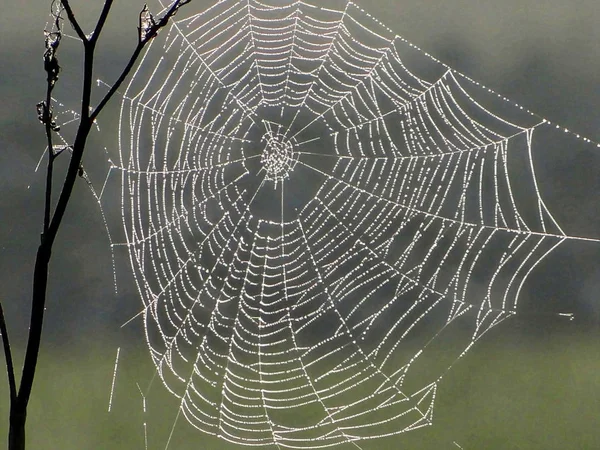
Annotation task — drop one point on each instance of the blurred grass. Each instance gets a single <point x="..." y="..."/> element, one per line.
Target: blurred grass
<point x="510" y="392"/>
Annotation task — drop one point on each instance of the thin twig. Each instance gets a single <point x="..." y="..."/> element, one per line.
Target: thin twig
<point x="169" y="14"/>
<point x="10" y="369"/>
<point x="101" y="20"/>
<point x="73" y="21"/>
<point x="51" y="156"/>
<point x="52" y="221"/>
<point x="49" y="177"/>
<point x="45" y="115"/>
<point x="144" y="36"/>
<point x="117" y="84"/>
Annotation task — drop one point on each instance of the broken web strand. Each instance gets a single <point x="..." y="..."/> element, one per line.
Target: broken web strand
<point x="345" y="106"/>
<point x="144" y="410"/>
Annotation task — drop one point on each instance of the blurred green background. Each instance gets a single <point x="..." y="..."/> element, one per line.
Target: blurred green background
<point x="510" y="392"/>
<point x="531" y="383"/>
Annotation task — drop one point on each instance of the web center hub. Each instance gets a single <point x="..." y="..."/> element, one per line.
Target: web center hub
<point x="278" y="157"/>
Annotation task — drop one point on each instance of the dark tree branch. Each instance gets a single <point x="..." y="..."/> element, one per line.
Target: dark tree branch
<point x="117" y="84"/>
<point x="10" y="369"/>
<point x="101" y="20"/>
<point x="49" y="177"/>
<point x="73" y="21"/>
<point x="147" y="30"/>
<point x="169" y="14"/>
<point x="44" y="109"/>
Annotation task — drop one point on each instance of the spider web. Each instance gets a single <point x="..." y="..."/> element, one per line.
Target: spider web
<point x="311" y="206"/>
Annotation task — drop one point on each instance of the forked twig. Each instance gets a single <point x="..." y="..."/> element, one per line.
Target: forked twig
<point x="148" y="29"/>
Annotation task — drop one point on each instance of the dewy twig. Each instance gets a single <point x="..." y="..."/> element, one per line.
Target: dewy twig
<point x="148" y="28"/>
<point x="19" y="399"/>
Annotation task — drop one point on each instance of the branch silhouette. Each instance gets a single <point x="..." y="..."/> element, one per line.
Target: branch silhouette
<point x="148" y="28"/>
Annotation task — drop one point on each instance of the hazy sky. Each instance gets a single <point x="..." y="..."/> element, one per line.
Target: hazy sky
<point x="544" y="55"/>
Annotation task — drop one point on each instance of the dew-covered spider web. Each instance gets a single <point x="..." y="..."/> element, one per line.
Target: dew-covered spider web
<point x="311" y="205"/>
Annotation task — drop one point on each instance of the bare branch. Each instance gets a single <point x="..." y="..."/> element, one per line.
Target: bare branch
<point x="50" y="167"/>
<point x="169" y="14"/>
<point x="10" y="370"/>
<point x="20" y="397"/>
<point x="147" y="30"/>
<point x="73" y="20"/>
<point x="101" y="20"/>
<point x="44" y="109"/>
